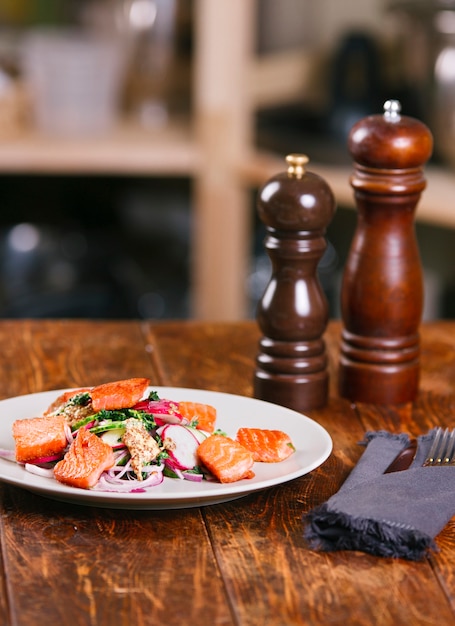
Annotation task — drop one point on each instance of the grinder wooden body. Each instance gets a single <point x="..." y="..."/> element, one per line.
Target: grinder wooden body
<point x="296" y="206"/>
<point x="382" y="288"/>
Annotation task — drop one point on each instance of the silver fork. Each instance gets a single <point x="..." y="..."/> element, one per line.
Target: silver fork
<point x="442" y="451"/>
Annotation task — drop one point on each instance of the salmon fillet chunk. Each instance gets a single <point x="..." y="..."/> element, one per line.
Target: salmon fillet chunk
<point x="120" y="394"/>
<point x="267" y="446"/>
<point x="202" y="415"/>
<point x="87" y="458"/>
<point x="39" y="437"/>
<point x="225" y="458"/>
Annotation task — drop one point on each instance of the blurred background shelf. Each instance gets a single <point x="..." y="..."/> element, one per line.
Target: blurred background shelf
<point x="259" y="80"/>
<point x="127" y="149"/>
<point x="174" y="152"/>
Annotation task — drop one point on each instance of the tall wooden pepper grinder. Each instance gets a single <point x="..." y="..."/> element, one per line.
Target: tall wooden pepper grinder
<point x="296" y="206"/>
<point x="382" y="289"/>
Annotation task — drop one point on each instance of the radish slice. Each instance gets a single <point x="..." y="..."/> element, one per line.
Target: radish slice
<point x="164" y="411"/>
<point x="183" y="449"/>
<point x="199" y="434"/>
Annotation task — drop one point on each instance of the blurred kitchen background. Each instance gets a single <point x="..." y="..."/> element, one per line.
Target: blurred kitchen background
<point x="134" y="135"/>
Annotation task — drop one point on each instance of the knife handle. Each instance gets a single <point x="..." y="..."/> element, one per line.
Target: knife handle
<point x="404" y="459"/>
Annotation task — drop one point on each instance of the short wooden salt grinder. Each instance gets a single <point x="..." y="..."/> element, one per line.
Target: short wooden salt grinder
<point x="296" y="206"/>
<point x="382" y="288"/>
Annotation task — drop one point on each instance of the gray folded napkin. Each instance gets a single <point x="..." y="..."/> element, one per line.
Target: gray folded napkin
<point x="392" y="515"/>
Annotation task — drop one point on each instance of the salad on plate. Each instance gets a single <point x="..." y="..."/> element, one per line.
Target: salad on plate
<point x="122" y="437"/>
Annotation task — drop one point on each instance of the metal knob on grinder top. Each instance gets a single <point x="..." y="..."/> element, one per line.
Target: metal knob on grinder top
<point x="382" y="288"/>
<point x="296" y="207"/>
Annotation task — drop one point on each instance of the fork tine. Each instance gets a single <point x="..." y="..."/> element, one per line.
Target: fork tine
<point x="443" y="448"/>
<point x="449" y="460"/>
<point x="434" y="448"/>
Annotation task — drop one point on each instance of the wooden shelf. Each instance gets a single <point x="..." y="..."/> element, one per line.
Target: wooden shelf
<point x="173" y="151"/>
<point x="128" y="149"/>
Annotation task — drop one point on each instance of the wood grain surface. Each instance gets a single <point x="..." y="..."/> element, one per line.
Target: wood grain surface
<point x="242" y="563"/>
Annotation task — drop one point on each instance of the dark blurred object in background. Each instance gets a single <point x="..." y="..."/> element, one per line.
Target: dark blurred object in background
<point x="427" y="56"/>
<point x="355" y="88"/>
<point x="120" y="249"/>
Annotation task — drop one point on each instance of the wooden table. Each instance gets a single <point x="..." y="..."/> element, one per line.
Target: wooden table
<point x="244" y="562"/>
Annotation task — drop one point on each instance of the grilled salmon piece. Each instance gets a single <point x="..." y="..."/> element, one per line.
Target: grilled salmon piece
<point x="120" y="394"/>
<point x="267" y="446"/>
<point x="225" y="458"/>
<point x="85" y="461"/>
<point x="39" y="437"/>
<point x="203" y="415"/>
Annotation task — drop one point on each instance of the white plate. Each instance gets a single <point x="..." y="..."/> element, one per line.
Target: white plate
<point x="313" y="446"/>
